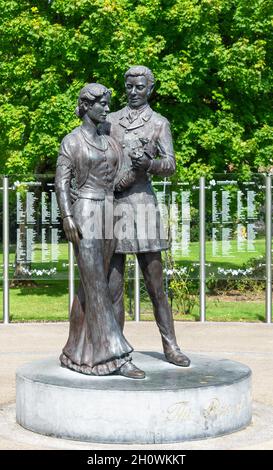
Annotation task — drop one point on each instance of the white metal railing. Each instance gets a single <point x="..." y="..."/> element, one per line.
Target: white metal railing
<point x="202" y="254"/>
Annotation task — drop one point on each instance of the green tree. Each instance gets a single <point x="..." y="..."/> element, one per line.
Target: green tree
<point x="213" y="61"/>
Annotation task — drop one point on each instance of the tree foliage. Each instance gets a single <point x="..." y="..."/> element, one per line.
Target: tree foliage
<point x="212" y="59"/>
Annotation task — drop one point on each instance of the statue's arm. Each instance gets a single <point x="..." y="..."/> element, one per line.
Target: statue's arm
<point x="64" y="173"/>
<point x="124" y="176"/>
<point x="63" y="177"/>
<point x="164" y="165"/>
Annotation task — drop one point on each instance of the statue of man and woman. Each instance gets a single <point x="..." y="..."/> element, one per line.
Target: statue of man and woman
<point x="112" y="157"/>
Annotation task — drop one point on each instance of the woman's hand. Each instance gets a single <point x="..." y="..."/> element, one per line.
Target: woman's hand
<point x="73" y="195"/>
<point x="72" y="232"/>
<point x="140" y="161"/>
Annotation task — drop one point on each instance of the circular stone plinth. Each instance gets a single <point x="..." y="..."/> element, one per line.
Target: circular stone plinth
<point x="209" y="398"/>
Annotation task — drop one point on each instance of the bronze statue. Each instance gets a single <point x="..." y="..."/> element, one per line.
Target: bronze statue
<point x="96" y="344"/>
<point x="143" y="135"/>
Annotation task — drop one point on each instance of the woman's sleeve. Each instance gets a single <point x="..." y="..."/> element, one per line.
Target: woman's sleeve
<point x="63" y="176"/>
<point x="125" y="176"/>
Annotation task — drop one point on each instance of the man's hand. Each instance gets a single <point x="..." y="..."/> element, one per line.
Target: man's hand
<point x="72" y="232"/>
<point x="140" y="161"/>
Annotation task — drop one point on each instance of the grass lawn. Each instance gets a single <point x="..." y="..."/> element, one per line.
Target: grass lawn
<point x="45" y="302"/>
<point x="219" y="310"/>
<point x="49" y="302"/>
<point x="235" y="260"/>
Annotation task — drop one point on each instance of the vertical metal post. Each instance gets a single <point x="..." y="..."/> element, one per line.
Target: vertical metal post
<point x="5" y="250"/>
<point x="166" y="259"/>
<point x="71" y="275"/>
<point x="268" y="224"/>
<point x="137" y="291"/>
<point x="202" y="248"/>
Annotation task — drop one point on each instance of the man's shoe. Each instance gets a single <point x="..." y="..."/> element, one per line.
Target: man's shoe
<point x="176" y="357"/>
<point x="131" y="371"/>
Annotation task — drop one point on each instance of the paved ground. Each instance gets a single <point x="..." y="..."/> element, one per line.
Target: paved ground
<point x="251" y="344"/>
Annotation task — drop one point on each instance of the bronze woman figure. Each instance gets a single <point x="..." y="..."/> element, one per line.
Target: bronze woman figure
<point x="96" y="344"/>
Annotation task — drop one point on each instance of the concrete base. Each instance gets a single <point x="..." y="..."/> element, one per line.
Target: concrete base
<point x="210" y="398"/>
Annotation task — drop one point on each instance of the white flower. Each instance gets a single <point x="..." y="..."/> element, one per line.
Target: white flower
<point x="39" y="272"/>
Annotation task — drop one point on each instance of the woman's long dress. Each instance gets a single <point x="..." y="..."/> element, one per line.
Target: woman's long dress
<point x="96" y="344"/>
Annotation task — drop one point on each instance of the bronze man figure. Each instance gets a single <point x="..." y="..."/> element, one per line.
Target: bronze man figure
<point x="135" y="125"/>
<point x="96" y="344"/>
